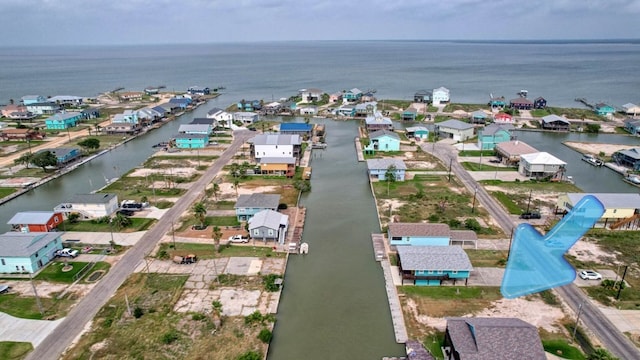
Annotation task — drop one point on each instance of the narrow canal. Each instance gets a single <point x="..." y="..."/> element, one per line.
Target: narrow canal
<point x="334" y="304"/>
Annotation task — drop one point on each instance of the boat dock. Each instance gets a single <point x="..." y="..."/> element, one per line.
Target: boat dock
<point x="359" y="149"/>
<point x="397" y="318"/>
<point x="296" y="227"/>
<point x="379" y="250"/>
<point x="585" y="102"/>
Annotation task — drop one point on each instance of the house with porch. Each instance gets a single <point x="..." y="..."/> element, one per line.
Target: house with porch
<point x="280" y="166"/>
<point x="377" y="168"/>
<point x="346" y="110"/>
<point x="269" y="225"/>
<point x="191" y="141"/>
<point x="382" y="140"/>
<point x="308" y="110"/>
<point x="198" y="90"/>
<point x="493" y="134"/>
<point x="630" y="109"/>
<point x="603" y="109"/>
<point x="127" y="116"/>
<point x="378" y="122"/>
<point x="27" y="252"/>
<point x="9" y="110"/>
<point x="249" y="205"/>
<point x="204" y="129"/>
<point x="310" y="95"/>
<point x="622" y="210"/>
<point x="419" y="234"/>
<point x="148" y="115"/>
<point x="67" y="101"/>
<point x="521" y="103"/>
<point x="301" y="129"/>
<point x="497" y="102"/>
<point x="417" y="132"/>
<point x="352" y="96"/>
<point x="409" y="114"/>
<point x="181" y="102"/>
<point x="220" y="115"/>
<point x="629" y="158"/>
<point x="21" y="134"/>
<point x="471" y="338"/>
<point x="122" y="128"/>
<point x="454" y="129"/>
<point x="90" y="206"/>
<point x="43" y="108"/>
<point x="64" y="155"/>
<point x="541" y="165"/>
<point x="245" y="117"/>
<point x="555" y="122"/>
<point x="503" y="118"/>
<point x="539" y="103"/>
<point x="65" y="120"/>
<point x="36" y="221"/>
<point x="131" y="96"/>
<point x="632" y="126"/>
<point x="32" y="99"/>
<point x="276" y="145"/>
<point x="428" y="265"/>
<point x="365" y="109"/>
<point x="479" y="117"/>
<point x="440" y="95"/>
<point x="509" y="152"/>
<point x="422" y="96"/>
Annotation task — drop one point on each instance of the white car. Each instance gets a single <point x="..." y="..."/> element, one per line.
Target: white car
<point x="238" y="239"/>
<point x="590" y="275"/>
<point x="67" y="253"/>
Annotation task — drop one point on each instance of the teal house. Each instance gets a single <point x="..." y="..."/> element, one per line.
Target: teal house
<point x="494" y="134"/>
<point x="632" y="126"/>
<point x="27" y="252"/>
<point x="604" y="109"/>
<point x="191" y="141"/>
<point x="433" y="265"/>
<point x="353" y="95"/>
<point x="382" y="140"/>
<point x="61" y="121"/>
<point x="417" y="132"/>
<point x="419" y="234"/>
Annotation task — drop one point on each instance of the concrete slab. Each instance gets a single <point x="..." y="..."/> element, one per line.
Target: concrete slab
<point x="24" y="330"/>
<point x="103" y="238"/>
<point x="486" y="277"/>
<point x="624" y="320"/>
<point x="239" y="266"/>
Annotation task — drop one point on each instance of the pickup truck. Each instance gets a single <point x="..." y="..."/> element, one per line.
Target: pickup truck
<point x="67" y="253"/>
<point x="238" y="239"/>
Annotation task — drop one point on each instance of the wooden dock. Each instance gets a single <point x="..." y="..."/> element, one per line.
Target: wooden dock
<point x="397" y="318"/>
<point x="359" y="149"/>
<point x="585" y="102"/>
<point x="296" y="226"/>
<point x="379" y="251"/>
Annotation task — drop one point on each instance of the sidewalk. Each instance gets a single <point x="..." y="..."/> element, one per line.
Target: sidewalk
<point x="23" y="330"/>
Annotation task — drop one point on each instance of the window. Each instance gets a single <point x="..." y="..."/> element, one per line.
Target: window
<point x="3" y="262"/>
<point x="256" y="231"/>
<point x="454" y="271"/>
<point x="270" y="232"/>
<point x="439" y="271"/>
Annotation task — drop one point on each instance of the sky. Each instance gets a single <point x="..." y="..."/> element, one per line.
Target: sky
<point x="107" y="22"/>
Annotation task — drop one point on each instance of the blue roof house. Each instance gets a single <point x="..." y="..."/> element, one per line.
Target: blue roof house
<point x="27" y="252"/>
<point x="382" y="140"/>
<point x="493" y="134"/>
<point x="604" y="109"/>
<point x="296" y="128"/>
<point x="419" y="234"/>
<point x="191" y="141"/>
<point x="61" y="121"/>
<point x="182" y="103"/>
<point x="431" y="265"/>
<point x="632" y="126"/>
<point x="64" y="155"/>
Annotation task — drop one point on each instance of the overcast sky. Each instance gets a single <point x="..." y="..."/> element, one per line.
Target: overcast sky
<point x="56" y="22"/>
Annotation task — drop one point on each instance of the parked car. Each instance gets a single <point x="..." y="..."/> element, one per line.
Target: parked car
<point x="4" y="288"/>
<point x="530" y="215"/>
<point x="67" y="253"/>
<point x="187" y="259"/>
<point x="238" y="239"/>
<point x="590" y="275"/>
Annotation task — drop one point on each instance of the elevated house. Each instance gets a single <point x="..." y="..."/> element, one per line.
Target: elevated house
<point x="539" y="103"/>
<point x="622" y="210"/>
<point x="220" y="115"/>
<point x="378" y="168"/>
<point x="422" y="96"/>
<point x="280" y="166"/>
<point x="302" y="129"/>
<point x="497" y="102"/>
<point x="308" y="110"/>
<point x="67" y="101"/>
<point x="90" y="206"/>
<point x="21" y="134"/>
<point x="421" y="234"/>
<point x="64" y="155"/>
<point x="417" y="132"/>
<point x="629" y="158"/>
<point x="17" y="112"/>
<point x="61" y="121"/>
<point x="198" y="90"/>
<point x="27" y="252"/>
<point x="632" y="126"/>
<point x="32" y="99"/>
<point x="431" y="265"/>
<point x="475" y="338"/>
<point x="454" y="129"/>
<point x="409" y="114"/>
<point x="127" y="116"/>
<point x="555" y="122"/>
<point x="479" y="117"/>
<point x="181" y="102"/>
<point x="203" y="121"/>
<point x="335" y="97"/>
<point x="310" y="95"/>
<point x="493" y="134"/>
<point x="603" y="109"/>
<point x="204" y="129"/>
<point x="369" y="95"/>
<point x="272" y="108"/>
<point x="269" y="225"/>
<point x="503" y="118"/>
<point x="43" y="108"/>
<point x="249" y="205"/>
<point x="352" y="96"/>
<point x="276" y="145"/>
<point x="346" y="110"/>
<point x="440" y="95"/>
<point x="366" y="108"/>
<point x="377" y="121"/>
<point x="149" y="115"/>
<point x="131" y="96"/>
<point x="191" y="141"/>
<point x="509" y="152"/>
<point x="162" y="110"/>
<point x="382" y="140"/>
<point x="521" y="103"/>
<point x="246" y="118"/>
<point x="122" y="128"/>
<point x="630" y="109"/>
<point x="36" y="221"/>
<point x="90" y="113"/>
<point x="541" y="165"/>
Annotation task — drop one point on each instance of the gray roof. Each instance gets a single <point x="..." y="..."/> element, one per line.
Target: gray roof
<point x="553" y="118"/>
<point x="377" y="164"/>
<point x="378" y="118"/>
<point x="434" y="258"/>
<point x="610" y="200"/>
<point x="455" y="124"/>
<point x="214" y="111"/>
<point x="194" y="127"/>
<point x="495" y="338"/>
<point x="380" y="133"/>
<point x="206" y="121"/>
<point x="494" y="128"/>
<point x="412" y="129"/>
<point x="418" y="229"/>
<point x="31" y="217"/>
<point x="269" y="219"/>
<point x="515" y="147"/>
<point x="277" y="160"/>
<point x="266" y="201"/>
<point x="416" y="351"/>
<point x="190" y="136"/>
<point x="276" y="139"/>
<point x="60" y="152"/>
<point x="16" y="244"/>
<point x="97" y="198"/>
<point x="457" y="235"/>
<point x="64" y="116"/>
<point x="633" y="153"/>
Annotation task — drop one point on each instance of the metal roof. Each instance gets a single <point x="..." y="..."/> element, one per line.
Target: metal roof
<point x="295" y="127"/>
<point x="515" y="147"/>
<point x="377" y="164"/>
<point x="554" y="117"/>
<point x="455" y="124"/>
<point x="269" y="219"/>
<point x="276" y="139"/>
<point x="31" y="217"/>
<point x="542" y="158"/>
<point x="433" y="258"/>
<point x="266" y="201"/>
<point x="16" y="244"/>
<point x="380" y="133"/>
<point x="277" y="160"/>
<point x="97" y="198"/>
<point x="610" y="200"/>
<point x="194" y="127"/>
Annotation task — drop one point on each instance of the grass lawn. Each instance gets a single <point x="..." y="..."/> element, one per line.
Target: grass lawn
<point x="6" y="191"/>
<point x="487" y="258"/>
<point x="571" y="113"/>
<point x="281" y="186"/>
<point x="207" y="251"/>
<point x="11" y="350"/>
<point x="53" y="272"/>
<point x="466" y="107"/>
<point x="526" y="186"/>
<point x="136" y="187"/>
<point x="26" y="307"/>
<point x="223" y="205"/>
<point x="222" y="220"/>
<point x="507" y="201"/>
<point x="563" y="349"/>
<point x="137" y="224"/>
<point x="472" y="166"/>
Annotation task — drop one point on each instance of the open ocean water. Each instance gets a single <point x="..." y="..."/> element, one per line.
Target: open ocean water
<point x="560" y="71"/>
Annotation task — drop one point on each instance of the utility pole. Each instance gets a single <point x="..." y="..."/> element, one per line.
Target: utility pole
<point x="621" y="282"/>
<point x="173" y="235"/>
<point x="575" y="328"/>
<point x="473" y="208"/>
<point x="529" y="202"/>
<point x="450" y="163"/>
<point x="35" y="292"/>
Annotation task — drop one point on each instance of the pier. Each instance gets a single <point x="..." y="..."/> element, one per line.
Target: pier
<point x="359" y="149"/>
<point x="397" y="317"/>
<point x="585" y="102"/>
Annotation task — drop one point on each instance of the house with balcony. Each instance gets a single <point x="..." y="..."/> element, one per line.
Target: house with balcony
<point x="335" y="97"/>
<point x="377" y="121"/>
<point x="27" y="252"/>
<point x="479" y="117"/>
<point x="426" y="265"/>
<point x="269" y="225"/>
<point x="521" y="103"/>
<point x="32" y="99"/>
<point x="541" y="165"/>
<point x="632" y="126"/>
<point x="21" y="134"/>
<point x="181" y="102"/>
<point x="64" y="155"/>
<point x="65" y="120"/>
<point x="497" y="102"/>
<point x="67" y="101"/>
<point x="308" y="110"/>
<point x="631" y="109"/>
<point x="346" y="110"/>
<point x="455" y="129"/>
<point x="13" y="111"/>
<point x="603" y="109"/>
<point x="378" y="168"/>
<point x="417" y="132"/>
<point x="246" y="118"/>
<point x="191" y="141"/>
<point x="310" y="95"/>
<point x="493" y="134"/>
<point x="629" y="158"/>
<point x="555" y="123"/>
<point x="149" y="115"/>
<point x="276" y="145"/>
<point x="621" y="210"/>
<point x="249" y="205"/>
<point x="36" y="221"/>
<point x="203" y="129"/>
<point x="301" y="129"/>
<point x="509" y="152"/>
<point x="131" y="96"/>
<point x="440" y="95"/>
<point x="365" y="109"/>
<point x="382" y="140"/>
<point x="220" y="115"/>
<point x="122" y="128"/>
<point x="409" y="114"/>
<point x="127" y="116"/>
<point x="503" y="118"/>
<point x="352" y="96"/>
<point x="422" y="96"/>
<point x="279" y="166"/>
<point x="539" y="103"/>
<point x="198" y="90"/>
<point x="43" y="108"/>
<point x="90" y="206"/>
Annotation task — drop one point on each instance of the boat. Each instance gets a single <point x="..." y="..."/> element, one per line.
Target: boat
<point x="318" y="146"/>
<point x="632" y="179"/>
<point x="592" y="160"/>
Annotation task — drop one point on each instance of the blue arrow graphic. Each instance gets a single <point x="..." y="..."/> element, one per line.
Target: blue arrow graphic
<point x="536" y="262"/>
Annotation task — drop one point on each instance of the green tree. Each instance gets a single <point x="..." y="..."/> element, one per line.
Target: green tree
<point x="216" y="235"/>
<point x="593" y="128"/>
<point x="250" y="355"/>
<point x="601" y="354"/>
<point x="302" y="185"/>
<point x="200" y="211"/>
<point x="265" y="335"/>
<point x="390" y="176"/>
<point x="120" y="221"/>
<point x="24" y="159"/>
<point x="215" y="189"/>
<point x="236" y="185"/>
<point x="73" y="218"/>
<point x="89" y="144"/>
<point x="44" y="159"/>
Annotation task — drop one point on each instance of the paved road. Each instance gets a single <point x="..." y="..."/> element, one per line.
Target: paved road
<point x="72" y="325"/>
<point x="616" y="342"/>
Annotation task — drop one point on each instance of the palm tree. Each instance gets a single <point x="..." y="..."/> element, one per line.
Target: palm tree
<point x="215" y="190"/>
<point x="390" y="176"/>
<point x="120" y="221"/>
<point x="216" y="234"/>
<point x="236" y="185"/>
<point x="200" y="211"/>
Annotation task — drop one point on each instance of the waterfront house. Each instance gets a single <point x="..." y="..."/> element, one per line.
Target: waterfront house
<point x="249" y="205"/>
<point x="419" y="234"/>
<point x="369" y="96"/>
<point x="541" y="165"/>
<point x="479" y="117"/>
<point x="272" y="108"/>
<point x="204" y="129"/>
<point x="409" y="114"/>
<point x="539" y="103"/>
<point x="182" y="103"/>
<point x="269" y="225"/>
<point x="8" y="110"/>
<point x="310" y="95"/>
<point x="431" y="265"/>
<point x="221" y="117"/>
<point x="301" y="129"/>
<point x="497" y="102"/>
<point x="164" y="110"/>
<point x="152" y="90"/>
<point x="281" y="166"/>
<point x="631" y="109"/>
<point x="493" y="134"/>
<point x="204" y="121"/>
<point x="149" y="115"/>
<point x="440" y="95"/>
<point x="335" y="97"/>
<point x="64" y="155"/>
<point x="32" y="99"/>
<point x="122" y="128"/>
<point x="276" y="145"/>
<point x="90" y="113"/>
<point x="603" y="109"/>
<point x="65" y="120"/>
<point x="346" y="110"/>
<point x="245" y="117"/>
<point x="382" y="140"/>
<point x="43" y="108"/>
<point x="628" y="158"/>
<point x="454" y="129"/>
<point x="198" y="90"/>
<point x="131" y="96"/>
<point x="417" y="132"/>
<point x="127" y="116"/>
<point x="621" y="209"/>
<point x="36" y="221"/>
<point x="632" y="126"/>
<point x="3" y="125"/>
<point x="191" y="141"/>
<point x="503" y="118"/>
<point x="521" y="103"/>
<point x="90" y="206"/>
<point x="378" y="122"/>
<point x="27" y="252"/>
<point x="555" y="122"/>
<point x="422" y="96"/>
<point x="509" y="152"/>
<point x="308" y="110"/>
<point x="378" y="168"/>
<point x="21" y="134"/>
<point x="366" y="108"/>
<point x="67" y="101"/>
<point x="351" y="96"/>
<point x="471" y="338"/>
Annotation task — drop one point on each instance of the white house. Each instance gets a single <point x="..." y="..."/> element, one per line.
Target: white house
<point x="455" y="129"/>
<point x="310" y="95"/>
<point x="541" y="165"/>
<point x="90" y="206"/>
<point x="276" y="146"/>
<point x="631" y="109"/>
<point x="247" y="117"/>
<point x="204" y="129"/>
<point x="440" y="95"/>
<point x="220" y="115"/>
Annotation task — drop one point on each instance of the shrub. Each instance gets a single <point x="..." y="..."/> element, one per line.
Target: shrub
<point x="269" y="282"/>
<point x="250" y="355"/>
<point x="282" y="206"/>
<point x="472" y="224"/>
<point x="198" y="317"/>
<point x="138" y="312"/>
<point x="265" y="336"/>
<point x="434" y="218"/>
<point x="169" y="337"/>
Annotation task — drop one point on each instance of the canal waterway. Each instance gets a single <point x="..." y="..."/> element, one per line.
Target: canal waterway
<point x="334" y="304"/>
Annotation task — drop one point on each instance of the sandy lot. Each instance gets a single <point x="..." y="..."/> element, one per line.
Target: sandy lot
<point x="596" y="148"/>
